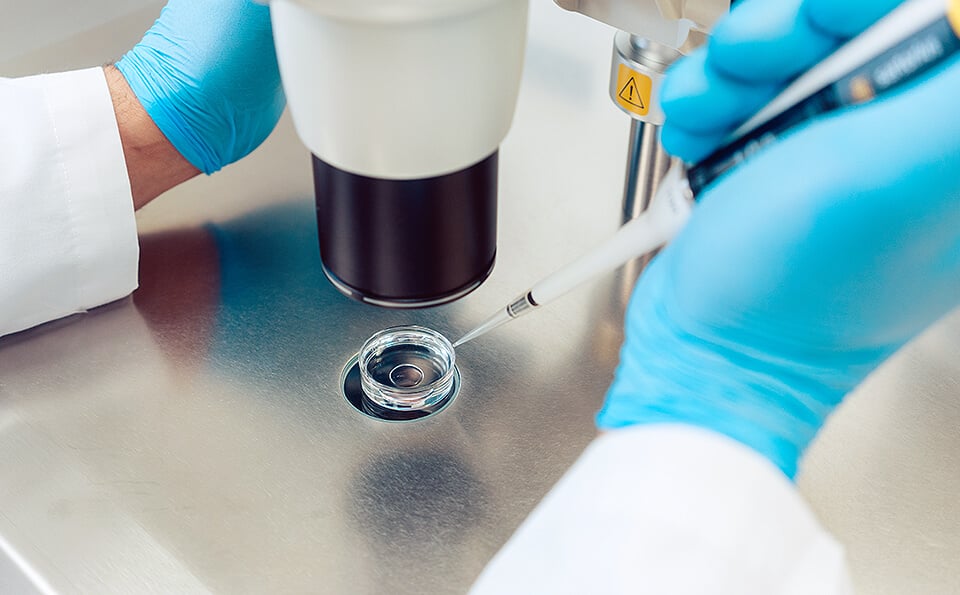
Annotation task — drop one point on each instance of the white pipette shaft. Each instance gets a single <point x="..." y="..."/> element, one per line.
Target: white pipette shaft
<point x="668" y="212"/>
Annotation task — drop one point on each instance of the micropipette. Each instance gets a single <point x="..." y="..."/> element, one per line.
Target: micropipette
<point x="907" y="43"/>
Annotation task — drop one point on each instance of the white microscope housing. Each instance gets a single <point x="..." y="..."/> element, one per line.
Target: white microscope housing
<point x="404" y="104"/>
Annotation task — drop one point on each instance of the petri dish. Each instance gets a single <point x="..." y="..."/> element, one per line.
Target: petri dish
<point x="407" y="368"/>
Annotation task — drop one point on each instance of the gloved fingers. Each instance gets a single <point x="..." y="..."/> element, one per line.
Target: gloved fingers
<point x="700" y="99"/>
<point x="764" y="41"/>
<point x="873" y="145"/>
<point x="864" y="190"/>
<point x="752" y="53"/>
<point x="775" y="40"/>
<point x="217" y="35"/>
<point x="703" y="106"/>
<point x="690" y="146"/>
<point x="848" y="18"/>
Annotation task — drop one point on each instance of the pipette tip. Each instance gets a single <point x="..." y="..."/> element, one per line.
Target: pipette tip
<point x="491" y="323"/>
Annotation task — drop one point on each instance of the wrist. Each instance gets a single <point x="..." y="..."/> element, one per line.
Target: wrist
<point x="153" y="164"/>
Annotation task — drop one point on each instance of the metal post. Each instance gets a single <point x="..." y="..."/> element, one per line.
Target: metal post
<point x="647" y="163"/>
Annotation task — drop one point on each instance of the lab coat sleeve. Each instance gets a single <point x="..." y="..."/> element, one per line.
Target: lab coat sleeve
<point x="669" y="509"/>
<point x="68" y="239"/>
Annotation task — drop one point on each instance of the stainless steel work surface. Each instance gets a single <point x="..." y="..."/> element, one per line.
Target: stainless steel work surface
<point x="193" y="438"/>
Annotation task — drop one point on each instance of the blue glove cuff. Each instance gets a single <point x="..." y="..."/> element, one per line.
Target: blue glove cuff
<point x="207" y="74"/>
<point x="150" y="84"/>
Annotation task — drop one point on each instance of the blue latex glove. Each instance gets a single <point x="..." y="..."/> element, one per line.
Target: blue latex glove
<point x="207" y="75"/>
<point x="805" y="267"/>
<point x="750" y="57"/>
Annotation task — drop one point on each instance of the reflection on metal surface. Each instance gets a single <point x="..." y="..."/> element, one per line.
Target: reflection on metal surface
<point x="429" y="500"/>
<point x="204" y="421"/>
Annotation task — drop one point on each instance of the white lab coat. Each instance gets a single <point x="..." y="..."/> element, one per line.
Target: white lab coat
<point x="664" y="509"/>
<point x="68" y="240"/>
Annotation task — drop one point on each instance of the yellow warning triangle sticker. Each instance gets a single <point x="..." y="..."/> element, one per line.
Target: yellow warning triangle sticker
<point x="631" y="94"/>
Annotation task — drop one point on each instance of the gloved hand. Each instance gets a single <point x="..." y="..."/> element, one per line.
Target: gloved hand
<point x="808" y="265"/>
<point x="206" y="73"/>
<point x="750" y="57"/>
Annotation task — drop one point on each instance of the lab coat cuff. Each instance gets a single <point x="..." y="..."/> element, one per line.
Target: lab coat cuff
<point x="669" y="509"/>
<point x="97" y="200"/>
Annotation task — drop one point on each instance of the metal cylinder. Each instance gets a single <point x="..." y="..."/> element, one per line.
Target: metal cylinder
<point x="638" y="65"/>
<point x="647" y="163"/>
